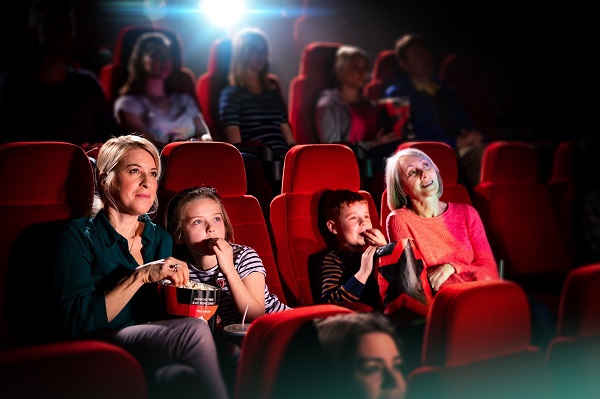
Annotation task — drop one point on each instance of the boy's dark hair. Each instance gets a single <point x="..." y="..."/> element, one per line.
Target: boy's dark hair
<point x="330" y="204"/>
<point x="404" y="42"/>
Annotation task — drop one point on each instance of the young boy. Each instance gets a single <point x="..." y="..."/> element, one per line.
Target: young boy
<point x="346" y="271"/>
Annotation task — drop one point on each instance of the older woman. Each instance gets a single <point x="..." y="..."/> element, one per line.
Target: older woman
<point x="449" y="236"/>
<point x="106" y="267"/>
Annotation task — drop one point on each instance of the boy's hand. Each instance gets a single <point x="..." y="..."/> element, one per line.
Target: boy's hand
<point x="374" y="237"/>
<point x="366" y="265"/>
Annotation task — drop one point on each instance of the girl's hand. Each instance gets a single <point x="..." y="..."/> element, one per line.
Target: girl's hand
<point x="374" y="237"/>
<point x="170" y="268"/>
<point x="439" y="276"/>
<point x="224" y="253"/>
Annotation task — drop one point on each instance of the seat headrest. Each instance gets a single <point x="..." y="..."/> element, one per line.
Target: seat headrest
<point x="194" y="164"/>
<point x="509" y="162"/>
<point x="386" y="66"/>
<point x="580" y="301"/>
<point x="474" y="321"/>
<point x="220" y="56"/>
<point x="563" y="162"/>
<point x="318" y="60"/>
<point x="310" y="168"/>
<point x="442" y="155"/>
<point x="46" y="173"/>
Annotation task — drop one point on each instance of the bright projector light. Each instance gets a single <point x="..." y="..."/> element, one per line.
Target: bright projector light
<point x="223" y="13"/>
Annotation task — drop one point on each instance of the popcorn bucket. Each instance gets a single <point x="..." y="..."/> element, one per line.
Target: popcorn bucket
<point x="196" y="300"/>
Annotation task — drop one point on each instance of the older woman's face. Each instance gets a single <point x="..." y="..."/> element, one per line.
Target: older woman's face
<point x="135" y="183"/>
<point x="418" y="177"/>
<point x="378" y="367"/>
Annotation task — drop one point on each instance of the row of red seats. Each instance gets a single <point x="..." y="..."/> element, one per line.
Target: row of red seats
<point x="315" y="74"/>
<point x="44" y="195"/>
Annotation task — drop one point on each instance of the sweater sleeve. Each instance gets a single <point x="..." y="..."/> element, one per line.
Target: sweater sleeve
<point x="333" y="289"/>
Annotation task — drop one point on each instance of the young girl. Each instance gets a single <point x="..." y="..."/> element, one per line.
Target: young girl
<point x="203" y="236"/>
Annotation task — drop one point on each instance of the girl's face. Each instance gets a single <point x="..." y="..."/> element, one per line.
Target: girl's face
<point x="201" y="220"/>
<point x="157" y="62"/>
<point x="419" y="178"/>
<point x="135" y="182"/>
<point x="257" y="56"/>
<point x="354" y="219"/>
<point x="378" y="367"/>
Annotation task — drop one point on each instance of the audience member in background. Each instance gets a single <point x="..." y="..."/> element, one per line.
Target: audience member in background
<point x="449" y="236"/>
<point x="436" y="113"/>
<point x="346" y="271"/>
<point x="365" y="353"/>
<point x="343" y="114"/>
<point x="150" y="104"/>
<point x="203" y="235"/>
<point x="49" y="97"/>
<point x="106" y="268"/>
<point x="251" y="108"/>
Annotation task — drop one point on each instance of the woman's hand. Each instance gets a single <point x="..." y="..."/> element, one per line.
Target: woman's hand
<point x="374" y="237"/>
<point x="366" y="265"/>
<point x="439" y="276"/>
<point x="170" y="268"/>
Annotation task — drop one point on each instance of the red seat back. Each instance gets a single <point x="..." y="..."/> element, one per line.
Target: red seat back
<point x="43" y="184"/>
<point x="308" y="171"/>
<point x="315" y="74"/>
<point x="71" y="370"/>
<point x="580" y="301"/>
<point x="114" y="75"/>
<point x="445" y="159"/>
<point x="191" y="164"/>
<point x="265" y="344"/>
<point x="516" y="211"/>
<point x="385" y="68"/>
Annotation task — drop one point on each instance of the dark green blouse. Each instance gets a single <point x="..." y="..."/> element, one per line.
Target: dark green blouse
<point x="92" y="258"/>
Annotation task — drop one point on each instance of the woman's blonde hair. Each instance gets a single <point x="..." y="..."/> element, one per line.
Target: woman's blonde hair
<point x="109" y="156"/>
<point x="244" y="43"/>
<point x="396" y="197"/>
<point x="343" y="56"/>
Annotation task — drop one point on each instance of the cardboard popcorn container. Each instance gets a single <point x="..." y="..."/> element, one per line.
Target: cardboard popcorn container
<point x="196" y="300"/>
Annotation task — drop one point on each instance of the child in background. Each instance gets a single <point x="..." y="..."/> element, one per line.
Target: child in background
<point x="346" y="271"/>
<point x="203" y="236"/>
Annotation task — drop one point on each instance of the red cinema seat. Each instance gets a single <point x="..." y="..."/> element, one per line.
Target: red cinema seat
<point x="315" y="74"/>
<point x="309" y="170"/>
<point x="385" y="68"/>
<point x="77" y="369"/>
<point x="574" y="355"/>
<point x="193" y="164"/>
<point x="264" y="347"/>
<point x="114" y="75"/>
<point x="477" y="344"/>
<point x="516" y="210"/>
<point x="44" y="184"/>
<point x="445" y="159"/>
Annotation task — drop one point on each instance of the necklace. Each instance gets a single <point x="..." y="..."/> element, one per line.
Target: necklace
<point x="132" y="238"/>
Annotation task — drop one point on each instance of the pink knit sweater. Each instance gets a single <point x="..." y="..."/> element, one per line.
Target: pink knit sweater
<point x="456" y="236"/>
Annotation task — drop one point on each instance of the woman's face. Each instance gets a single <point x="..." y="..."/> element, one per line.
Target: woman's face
<point x="356" y="72"/>
<point x="257" y="56"/>
<point x="418" y="177"/>
<point x="135" y="182"/>
<point x="157" y="62"/>
<point x="378" y="367"/>
<point x="202" y="220"/>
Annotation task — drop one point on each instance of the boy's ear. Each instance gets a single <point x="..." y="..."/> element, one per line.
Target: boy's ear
<point x="331" y="226"/>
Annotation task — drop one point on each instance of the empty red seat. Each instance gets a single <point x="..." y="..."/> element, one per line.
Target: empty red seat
<point x="385" y="68"/>
<point x="308" y="171"/>
<point x="220" y="165"/>
<point x="264" y="347"/>
<point x="315" y="74"/>
<point x="477" y="344"/>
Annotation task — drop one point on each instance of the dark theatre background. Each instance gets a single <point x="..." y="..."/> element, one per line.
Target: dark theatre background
<point x="535" y="58"/>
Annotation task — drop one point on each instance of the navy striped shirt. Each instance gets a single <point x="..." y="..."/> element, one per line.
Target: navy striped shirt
<point x="245" y="261"/>
<point x="259" y="116"/>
